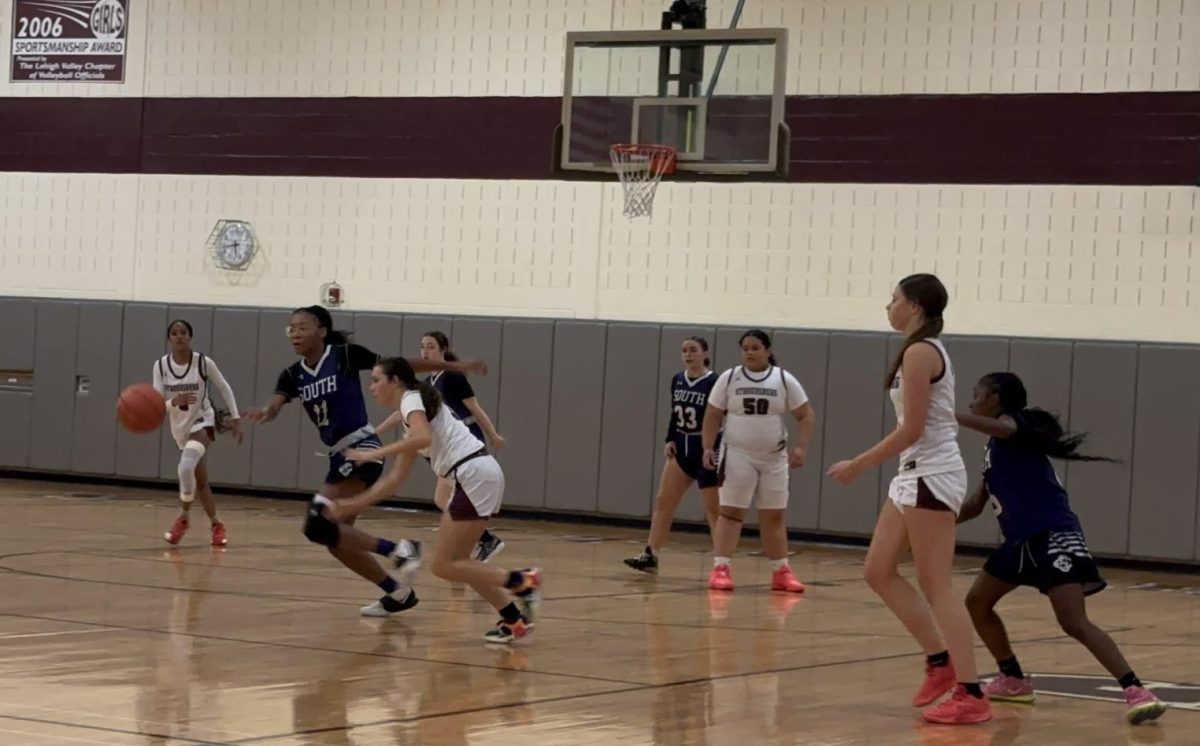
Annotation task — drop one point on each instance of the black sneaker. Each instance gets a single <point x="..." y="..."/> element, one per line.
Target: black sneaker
<point x="645" y="562"/>
<point x="388" y="605"/>
<point x="504" y="633"/>
<point x="488" y="547"/>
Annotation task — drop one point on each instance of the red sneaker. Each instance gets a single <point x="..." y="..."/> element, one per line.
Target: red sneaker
<point x="178" y="529"/>
<point x="960" y="709"/>
<point x="720" y="579"/>
<point x="938" y="681"/>
<point x="219" y="539"/>
<point x="783" y="580"/>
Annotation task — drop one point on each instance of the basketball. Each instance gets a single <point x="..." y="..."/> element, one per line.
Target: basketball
<point x="141" y="408"/>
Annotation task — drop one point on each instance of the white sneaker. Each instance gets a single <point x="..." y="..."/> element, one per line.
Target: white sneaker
<point x="377" y="609"/>
<point x="407" y="560"/>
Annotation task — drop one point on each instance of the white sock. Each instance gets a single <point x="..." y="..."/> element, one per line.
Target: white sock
<point x="718" y="561"/>
<point x="776" y="564"/>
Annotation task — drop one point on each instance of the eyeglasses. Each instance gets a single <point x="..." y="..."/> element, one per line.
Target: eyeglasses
<point x="301" y="328"/>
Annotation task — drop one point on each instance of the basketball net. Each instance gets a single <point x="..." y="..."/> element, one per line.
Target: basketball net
<point x="640" y="168"/>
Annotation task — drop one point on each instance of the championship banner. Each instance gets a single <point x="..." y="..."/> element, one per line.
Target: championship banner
<point x="69" y="41"/>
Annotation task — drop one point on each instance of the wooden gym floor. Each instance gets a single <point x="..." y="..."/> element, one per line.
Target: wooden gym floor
<point x="109" y="637"/>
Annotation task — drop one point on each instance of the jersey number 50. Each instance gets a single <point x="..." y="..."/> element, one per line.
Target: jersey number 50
<point x="756" y="406"/>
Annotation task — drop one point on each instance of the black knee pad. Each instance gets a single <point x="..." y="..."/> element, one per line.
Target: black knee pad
<point x="320" y="530"/>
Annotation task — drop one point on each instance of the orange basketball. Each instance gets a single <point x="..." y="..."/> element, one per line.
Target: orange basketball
<point x="141" y="408"/>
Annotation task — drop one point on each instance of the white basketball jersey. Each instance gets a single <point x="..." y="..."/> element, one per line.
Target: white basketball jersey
<point x="755" y="405"/>
<point x="937" y="449"/>
<point x="450" y="440"/>
<point x="172" y="379"/>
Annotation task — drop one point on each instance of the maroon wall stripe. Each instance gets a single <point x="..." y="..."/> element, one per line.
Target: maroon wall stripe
<point x="1110" y="138"/>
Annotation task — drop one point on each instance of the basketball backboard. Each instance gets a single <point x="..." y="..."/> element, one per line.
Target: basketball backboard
<point x="715" y="95"/>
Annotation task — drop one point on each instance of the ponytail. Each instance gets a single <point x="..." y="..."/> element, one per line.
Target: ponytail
<point x="928" y="293"/>
<point x="1039" y="430"/>
<point x="400" y="369"/>
<point x="928" y="330"/>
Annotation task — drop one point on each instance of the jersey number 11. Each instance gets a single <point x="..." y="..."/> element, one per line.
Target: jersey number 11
<point x="320" y="412"/>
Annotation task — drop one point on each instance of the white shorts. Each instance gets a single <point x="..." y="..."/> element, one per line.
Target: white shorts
<point x="751" y="477"/>
<point x="947" y="487"/>
<point x="478" y="489"/>
<point x="204" y="422"/>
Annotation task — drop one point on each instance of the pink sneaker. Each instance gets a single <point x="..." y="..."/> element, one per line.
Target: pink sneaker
<point x="783" y="580"/>
<point x="219" y="539"/>
<point x="1010" y="689"/>
<point x="1143" y="705"/>
<point x="720" y="579"/>
<point x="178" y="529"/>
<point x="960" y="709"/>
<point x="938" y="681"/>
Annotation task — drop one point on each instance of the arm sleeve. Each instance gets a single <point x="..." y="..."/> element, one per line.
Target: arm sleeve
<point x="159" y="386"/>
<point x="223" y="388"/>
<point x="670" y="411"/>
<point x="796" y="396"/>
<point x="360" y="358"/>
<point x="719" y="396"/>
<point x="285" y="385"/>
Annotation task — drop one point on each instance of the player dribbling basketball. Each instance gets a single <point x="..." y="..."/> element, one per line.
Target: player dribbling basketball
<point x="183" y="377"/>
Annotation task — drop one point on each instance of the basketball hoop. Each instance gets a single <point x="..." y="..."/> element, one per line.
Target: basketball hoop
<point x="640" y="167"/>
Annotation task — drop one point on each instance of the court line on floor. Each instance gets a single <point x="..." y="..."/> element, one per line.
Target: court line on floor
<point x="119" y="731"/>
<point x="328" y="601"/>
<point x="27" y="635"/>
<point x="575" y="697"/>
<point x="318" y="649"/>
<point x="339" y="602"/>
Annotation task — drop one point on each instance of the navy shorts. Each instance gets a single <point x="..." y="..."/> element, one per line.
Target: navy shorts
<point x="1046" y="561"/>
<point x="368" y="473"/>
<point x="689" y="455"/>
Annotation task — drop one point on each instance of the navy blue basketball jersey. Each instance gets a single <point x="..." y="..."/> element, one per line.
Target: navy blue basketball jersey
<point x="455" y="389"/>
<point x="1026" y="493"/>
<point x="689" y="400"/>
<point x="332" y="392"/>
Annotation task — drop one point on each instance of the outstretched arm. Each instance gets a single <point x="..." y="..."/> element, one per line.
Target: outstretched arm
<point x="263" y="415"/>
<point x="418" y="438"/>
<point x="458" y="366"/>
<point x="362" y="358"/>
<point x="285" y="391"/>
<point x="1002" y="427"/>
<point x="392" y="420"/>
